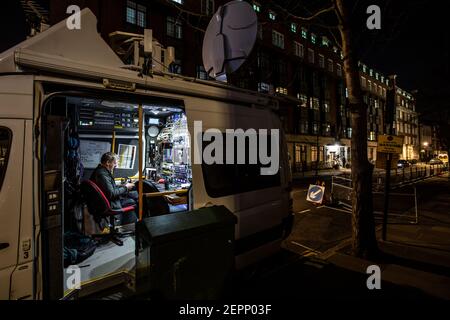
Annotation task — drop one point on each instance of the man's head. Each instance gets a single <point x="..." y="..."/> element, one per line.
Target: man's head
<point x="109" y="160"/>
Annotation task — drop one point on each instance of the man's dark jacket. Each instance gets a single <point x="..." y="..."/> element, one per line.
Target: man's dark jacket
<point x="105" y="181"/>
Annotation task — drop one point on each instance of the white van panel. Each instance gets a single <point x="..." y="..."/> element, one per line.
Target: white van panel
<point x="16" y="96"/>
<point x="10" y="197"/>
<point x="256" y="210"/>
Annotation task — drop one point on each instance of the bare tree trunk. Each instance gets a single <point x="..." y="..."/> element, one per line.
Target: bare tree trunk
<point x="364" y="243"/>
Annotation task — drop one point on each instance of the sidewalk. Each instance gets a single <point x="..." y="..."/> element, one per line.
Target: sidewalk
<point x="414" y="255"/>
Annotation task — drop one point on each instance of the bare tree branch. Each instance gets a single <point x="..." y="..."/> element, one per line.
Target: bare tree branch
<point x="312" y="17"/>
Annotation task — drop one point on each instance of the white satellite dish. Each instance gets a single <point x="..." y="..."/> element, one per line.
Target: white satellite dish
<point x="229" y="38"/>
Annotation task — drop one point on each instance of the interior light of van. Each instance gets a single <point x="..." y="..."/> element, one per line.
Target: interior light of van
<point x="119" y="85"/>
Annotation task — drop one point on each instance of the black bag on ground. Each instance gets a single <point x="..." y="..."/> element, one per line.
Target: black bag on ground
<point x="77" y="248"/>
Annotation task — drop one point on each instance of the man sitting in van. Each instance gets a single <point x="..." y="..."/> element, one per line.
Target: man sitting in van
<point x="118" y="196"/>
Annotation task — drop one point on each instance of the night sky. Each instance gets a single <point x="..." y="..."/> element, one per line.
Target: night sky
<point x="413" y="43"/>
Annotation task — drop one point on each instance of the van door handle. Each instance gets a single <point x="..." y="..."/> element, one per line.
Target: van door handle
<point x="4" y="245"/>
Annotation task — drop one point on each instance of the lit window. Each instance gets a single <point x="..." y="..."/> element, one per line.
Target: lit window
<point x="136" y="14"/>
<point x="131" y="12"/>
<point x="364" y="68"/>
<point x="272" y="15"/>
<point x="371" y="72"/>
<point x="277" y="39"/>
<point x="303" y="100"/>
<point x="335" y="49"/>
<point x="363" y="82"/>
<point x="325" y="41"/>
<point x="281" y="90"/>
<point x="178" y="1"/>
<point x="174" y="28"/>
<point x="141" y="16"/>
<point x="299" y="50"/>
<point x="372" y="136"/>
<point x="256" y="7"/>
<point x="294" y="27"/>
<point x="304" y="33"/>
<point x="377" y="75"/>
<point x="263" y="87"/>
<point x="313" y="38"/>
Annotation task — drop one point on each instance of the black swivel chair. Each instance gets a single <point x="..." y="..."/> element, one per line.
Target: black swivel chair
<point x="155" y="206"/>
<point x="99" y="206"/>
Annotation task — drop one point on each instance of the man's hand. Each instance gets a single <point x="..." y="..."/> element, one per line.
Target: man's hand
<point x="129" y="185"/>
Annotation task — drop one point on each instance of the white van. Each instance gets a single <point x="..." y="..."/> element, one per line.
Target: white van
<point x="64" y="100"/>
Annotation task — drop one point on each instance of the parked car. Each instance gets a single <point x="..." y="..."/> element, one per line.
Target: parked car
<point x="435" y="161"/>
<point x="403" y="164"/>
<point x="413" y="161"/>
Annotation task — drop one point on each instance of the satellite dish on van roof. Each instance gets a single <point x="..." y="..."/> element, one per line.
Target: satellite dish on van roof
<point x="229" y="38"/>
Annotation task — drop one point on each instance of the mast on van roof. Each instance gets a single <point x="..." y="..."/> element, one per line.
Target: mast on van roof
<point x="142" y="52"/>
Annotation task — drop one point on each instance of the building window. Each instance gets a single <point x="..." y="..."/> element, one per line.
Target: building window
<point x="321" y="61"/>
<point x="294" y="27"/>
<point x="310" y="55"/>
<point x="315" y="128"/>
<point x="363" y="82"/>
<point x="272" y="15"/>
<point x="277" y="39"/>
<point x="326" y="106"/>
<point x="313" y="38"/>
<point x="349" y="133"/>
<point x="304" y="126"/>
<point x="325" y="41"/>
<point x="377" y="76"/>
<point x="364" y="68"/>
<point x="208" y="7"/>
<point x="372" y="136"/>
<point x="339" y="70"/>
<point x="131" y="12"/>
<point x="314" y="103"/>
<point x="369" y="85"/>
<point x="281" y="90"/>
<point x="313" y="153"/>
<point x="263" y="87"/>
<point x="326" y="129"/>
<point x="5" y="146"/>
<point x="299" y="50"/>
<point x="136" y="14"/>
<point x="304" y="33"/>
<point x="178" y="1"/>
<point x="174" y="28"/>
<point x="256" y="7"/>
<point x="330" y="65"/>
<point x="303" y="100"/>
<point x="201" y="73"/>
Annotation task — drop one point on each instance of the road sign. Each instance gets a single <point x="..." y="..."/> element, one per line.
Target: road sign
<point x="315" y="193"/>
<point x="390" y="144"/>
